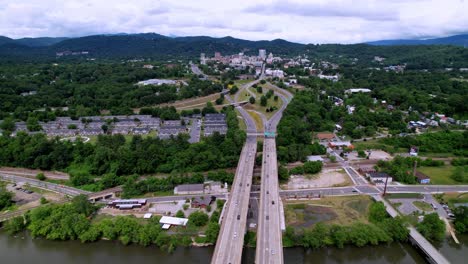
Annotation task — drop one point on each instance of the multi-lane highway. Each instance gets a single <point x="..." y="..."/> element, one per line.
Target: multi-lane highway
<point x="230" y="241"/>
<point x="269" y="237"/>
<point x="234" y="220"/>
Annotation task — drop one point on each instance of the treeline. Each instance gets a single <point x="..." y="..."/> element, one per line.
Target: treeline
<point x="5" y="198"/>
<point x="381" y="229"/>
<point x="86" y="88"/>
<point x="441" y="142"/>
<point x="74" y="221"/>
<point x="401" y="168"/>
<point x="113" y="155"/>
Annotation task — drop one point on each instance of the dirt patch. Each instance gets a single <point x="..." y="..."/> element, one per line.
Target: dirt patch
<point x="326" y="178"/>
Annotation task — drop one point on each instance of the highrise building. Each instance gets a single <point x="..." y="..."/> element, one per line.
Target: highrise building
<point x="202" y="59"/>
<point x="262" y="54"/>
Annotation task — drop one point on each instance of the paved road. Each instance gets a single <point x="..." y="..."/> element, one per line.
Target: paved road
<point x="197" y="71"/>
<point x="45" y="185"/>
<point x="269" y="238"/>
<point x="195" y="131"/>
<point x="425" y="188"/>
<point x="234" y="219"/>
<point x="355" y="177"/>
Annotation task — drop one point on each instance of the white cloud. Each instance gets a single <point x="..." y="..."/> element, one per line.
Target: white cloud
<point x="306" y="21"/>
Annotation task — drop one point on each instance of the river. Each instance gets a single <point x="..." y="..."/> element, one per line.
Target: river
<point x="23" y="249"/>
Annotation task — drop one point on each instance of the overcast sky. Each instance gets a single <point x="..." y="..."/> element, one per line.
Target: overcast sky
<point x="304" y="21"/>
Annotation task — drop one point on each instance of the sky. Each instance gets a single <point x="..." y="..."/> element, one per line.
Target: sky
<point x="303" y="21"/>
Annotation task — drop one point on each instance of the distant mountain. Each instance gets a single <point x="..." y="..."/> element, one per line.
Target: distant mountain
<point x="156" y="46"/>
<point x="457" y="40"/>
<point x="38" y="42"/>
<point x="142" y="45"/>
<point x="5" y="40"/>
<point x="31" y="42"/>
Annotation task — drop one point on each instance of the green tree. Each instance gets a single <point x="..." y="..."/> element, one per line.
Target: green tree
<point x="180" y="214"/>
<point x="377" y="212"/>
<point x="461" y="219"/>
<point x="198" y="218"/>
<point x="5" y="198"/>
<point x="8" y="125"/>
<point x="40" y="176"/>
<point x="212" y="232"/>
<point x="32" y="124"/>
<point x="252" y="100"/>
<point x="263" y="100"/>
<point x="312" y="167"/>
<point x="283" y="173"/>
<point x="432" y="227"/>
<point x="15" y="225"/>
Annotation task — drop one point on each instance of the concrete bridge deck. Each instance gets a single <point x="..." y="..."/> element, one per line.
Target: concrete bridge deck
<point x="432" y="254"/>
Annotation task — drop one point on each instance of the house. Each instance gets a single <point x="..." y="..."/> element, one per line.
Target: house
<point x="202" y="202"/>
<point x="189" y="189"/>
<point x="379" y="177"/>
<point x="366" y="169"/>
<point x="325" y="137"/>
<point x="422" y="178"/>
<point x="167" y="221"/>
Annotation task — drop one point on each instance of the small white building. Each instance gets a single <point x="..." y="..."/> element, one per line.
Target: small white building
<point x="147" y="216"/>
<point x="314" y="158"/>
<point x="167" y="221"/>
<point x="357" y="90"/>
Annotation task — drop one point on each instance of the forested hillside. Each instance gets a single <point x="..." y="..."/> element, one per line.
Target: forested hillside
<point x="151" y="45"/>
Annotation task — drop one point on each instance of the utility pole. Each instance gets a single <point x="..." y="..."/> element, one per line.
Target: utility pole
<point x="385" y="188"/>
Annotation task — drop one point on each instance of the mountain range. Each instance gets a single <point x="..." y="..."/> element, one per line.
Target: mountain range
<point x="152" y="45"/>
<point x="457" y="40"/>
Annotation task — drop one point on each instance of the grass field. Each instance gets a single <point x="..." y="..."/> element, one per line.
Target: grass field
<point x="376" y="144"/>
<point x="439" y="175"/>
<point x="333" y="210"/>
<point x="403" y="196"/>
<point x="257" y="107"/>
<point x="423" y="206"/>
<point x="258" y="120"/>
<point x="452" y="198"/>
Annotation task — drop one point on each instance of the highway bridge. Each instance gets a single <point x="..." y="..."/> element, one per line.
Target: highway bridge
<point x="230" y="240"/>
<point x="269" y="235"/>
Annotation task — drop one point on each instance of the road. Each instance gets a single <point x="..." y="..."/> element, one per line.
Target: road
<point x="234" y="219"/>
<point x="425" y="188"/>
<point x="230" y="240"/>
<point x="44" y="185"/>
<point x="195" y="131"/>
<point x="197" y="71"/>
<point x="269" y="237"/>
